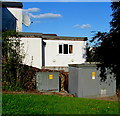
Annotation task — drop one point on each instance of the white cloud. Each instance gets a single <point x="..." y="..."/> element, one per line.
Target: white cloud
<point x="46" y="15"/>
<point x="76" y="26"/>
<point x="31" y="10"/>
<point x="84" y="26"/>
<point x="36" y="21"/>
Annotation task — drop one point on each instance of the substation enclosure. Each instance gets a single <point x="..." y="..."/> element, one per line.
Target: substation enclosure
<point x="84" y="81"/>
<point x="47" y="81"/>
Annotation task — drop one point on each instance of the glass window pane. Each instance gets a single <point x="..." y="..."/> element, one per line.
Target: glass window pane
<point x="60" y="49"/>
<point x="70" y="49"/>
<point x="65" y="48"/>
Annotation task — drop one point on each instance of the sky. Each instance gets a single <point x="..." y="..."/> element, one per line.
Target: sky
<point x="63" y="0"/>
<point x="75" y="19"/>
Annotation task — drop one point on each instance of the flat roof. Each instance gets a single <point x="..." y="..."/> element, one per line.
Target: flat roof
<point x="64" y="38"/>
<point x="28" y="34"/>
<point x="86" y="64"/>
<point x="12" y="4"/>
<point x="51" y="36"/>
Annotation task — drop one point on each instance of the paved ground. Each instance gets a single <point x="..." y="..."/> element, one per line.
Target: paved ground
<point x="64" y="94"/>
<point x="111" y="98"/>
<point x="39" y="93"/>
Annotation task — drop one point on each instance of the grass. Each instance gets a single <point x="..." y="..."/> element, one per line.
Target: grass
<point x="52" y="104"/>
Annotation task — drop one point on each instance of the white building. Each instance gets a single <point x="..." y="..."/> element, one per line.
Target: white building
<point x="12" y="16"/>
<point x="53" y="52"/>
<point x="44" y="50"/>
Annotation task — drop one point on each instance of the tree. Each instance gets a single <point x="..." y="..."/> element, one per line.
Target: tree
<point x="11" y="57"/>
<point x="108" y="46"/>
<point x="15" y="74"/>
<point x="92" y="54"/>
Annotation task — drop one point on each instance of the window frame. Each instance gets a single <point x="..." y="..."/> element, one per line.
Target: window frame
<point x="63" y="49"/>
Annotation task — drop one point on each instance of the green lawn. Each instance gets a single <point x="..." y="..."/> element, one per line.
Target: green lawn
<point x="51" y="104"/>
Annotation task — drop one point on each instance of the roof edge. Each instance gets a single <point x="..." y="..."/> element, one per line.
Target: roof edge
<point x="12" y="4"/>
<point x="52" y="36"/>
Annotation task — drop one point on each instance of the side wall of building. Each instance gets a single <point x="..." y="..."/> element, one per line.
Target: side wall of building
<point x="73" y="81"/>
<point x="33" y="51"/>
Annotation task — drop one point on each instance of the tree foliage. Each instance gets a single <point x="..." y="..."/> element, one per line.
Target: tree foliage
<point x="108" y="46"/>
<point x="15" y="74"/>
<point x="11" y="57"/>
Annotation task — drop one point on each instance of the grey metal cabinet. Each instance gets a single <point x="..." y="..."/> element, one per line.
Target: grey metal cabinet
<point x="47" y="81"/>
<point x="84" y="81"/>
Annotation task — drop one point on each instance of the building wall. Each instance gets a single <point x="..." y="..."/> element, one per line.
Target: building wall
<point x="17" y="13"/>
<point x="33" y="51"/>
<point x="53" y="58"/>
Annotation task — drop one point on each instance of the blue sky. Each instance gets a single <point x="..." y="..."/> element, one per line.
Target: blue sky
<point x="68" y="18"/>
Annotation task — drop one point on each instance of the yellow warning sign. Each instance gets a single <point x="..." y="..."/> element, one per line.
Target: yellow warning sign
<point x="50" y="76"/>
<point x="93" y="75"/>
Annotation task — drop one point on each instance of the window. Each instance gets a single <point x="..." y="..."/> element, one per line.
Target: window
<point x="65" y="46"/>
<point x="60" y="49"/>
<point x="70" y="49"/>
<point x="65" y="49"/>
